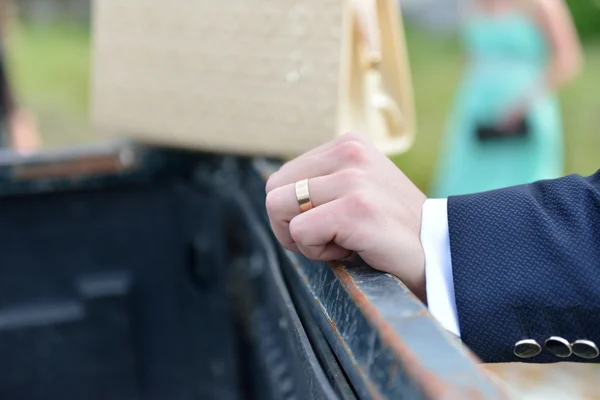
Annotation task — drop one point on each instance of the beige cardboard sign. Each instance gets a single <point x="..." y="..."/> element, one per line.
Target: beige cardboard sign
<point x="258" y="77"/>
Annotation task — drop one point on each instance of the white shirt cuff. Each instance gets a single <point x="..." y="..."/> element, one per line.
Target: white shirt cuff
<point x="435" y="239"/>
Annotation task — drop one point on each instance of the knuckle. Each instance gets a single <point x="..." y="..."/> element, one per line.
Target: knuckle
<point x="272" y="202"/>
<point x="358" y="204"/>
<point x="353" y="152"/>
<point x="297" y="231"/>
<point x="271" y="183"/>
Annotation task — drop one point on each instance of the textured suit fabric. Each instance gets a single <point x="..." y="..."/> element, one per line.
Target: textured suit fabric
<point x="526" y="264"/>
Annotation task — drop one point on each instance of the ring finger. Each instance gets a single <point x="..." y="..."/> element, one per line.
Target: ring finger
<point x="282" y="204"/>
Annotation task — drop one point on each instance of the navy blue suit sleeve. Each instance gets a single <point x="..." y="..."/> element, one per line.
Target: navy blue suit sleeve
<point x="526" y="265"/>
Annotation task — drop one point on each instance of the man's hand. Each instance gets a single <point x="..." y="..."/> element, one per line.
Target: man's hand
<point x="362" y="202"/>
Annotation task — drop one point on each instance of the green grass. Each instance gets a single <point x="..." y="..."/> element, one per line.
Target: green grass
<point x="51" y="69"/>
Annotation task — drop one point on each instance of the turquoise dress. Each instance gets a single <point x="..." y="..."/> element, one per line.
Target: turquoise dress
<point x="507" y="57"/>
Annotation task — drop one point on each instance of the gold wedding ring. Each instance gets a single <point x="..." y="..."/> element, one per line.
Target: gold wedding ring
<point x="303" y="195"/>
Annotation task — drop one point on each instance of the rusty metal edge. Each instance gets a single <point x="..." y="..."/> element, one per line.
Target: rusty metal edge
<point x="359" y="377"/>
<point x="471" y="382"/>
<point x="72" y="162"/>
<point x="429" y="382"/>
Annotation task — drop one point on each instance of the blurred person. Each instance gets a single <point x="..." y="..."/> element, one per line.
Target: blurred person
<point x="18" y="128"/>
<point x="505" y="127"/>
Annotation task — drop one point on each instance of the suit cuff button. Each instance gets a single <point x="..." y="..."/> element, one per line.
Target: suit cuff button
<point x="558" y="346"/>
<point x="527" y="348"/>
<point x="585" y="349"/>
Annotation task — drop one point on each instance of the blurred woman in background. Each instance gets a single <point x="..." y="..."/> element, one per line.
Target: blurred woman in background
<point x="17" y="126"/>
<point x="505" y="127"/>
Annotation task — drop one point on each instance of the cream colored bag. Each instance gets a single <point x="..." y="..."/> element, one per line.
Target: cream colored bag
<point x="257" y="77"/>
